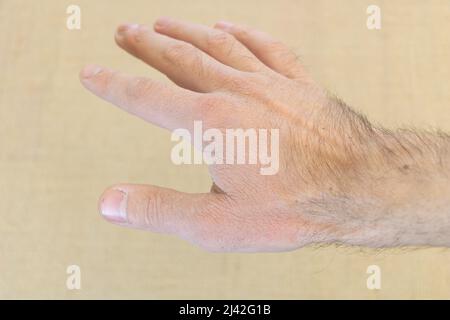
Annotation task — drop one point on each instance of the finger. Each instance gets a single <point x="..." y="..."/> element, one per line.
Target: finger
<point x="184" y="64"/>
<point x="218" y="44"/>
<point x="271" y="52"/>
<point x="161" y="210"/>
<point x="164" y="105"/>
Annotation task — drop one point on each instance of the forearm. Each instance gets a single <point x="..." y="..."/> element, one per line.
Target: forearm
<point x="404" y="195"/>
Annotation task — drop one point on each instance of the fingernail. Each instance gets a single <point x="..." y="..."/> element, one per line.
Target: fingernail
<point x="124" y="28"/>
<point x="224" y="25"/>
<point x="162" y="22"/>
<point x="114" y="206"/>
<point x="90" y="71"/>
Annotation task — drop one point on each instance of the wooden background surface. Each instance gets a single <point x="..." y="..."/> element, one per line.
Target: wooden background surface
<point x="60" y="147"/>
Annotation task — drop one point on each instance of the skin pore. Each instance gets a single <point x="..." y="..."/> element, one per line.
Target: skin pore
<point x="340" y="179"/>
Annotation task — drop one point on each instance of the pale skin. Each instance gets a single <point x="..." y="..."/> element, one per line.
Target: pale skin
<point x="340" y="180"/>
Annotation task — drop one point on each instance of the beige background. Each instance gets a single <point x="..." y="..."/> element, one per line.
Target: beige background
<point x="60" y="147"/>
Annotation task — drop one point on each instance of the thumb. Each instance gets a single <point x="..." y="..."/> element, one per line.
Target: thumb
<point x="160" y="209"/>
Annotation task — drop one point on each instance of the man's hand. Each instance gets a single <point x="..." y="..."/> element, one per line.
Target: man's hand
<point x="340" y="179"/>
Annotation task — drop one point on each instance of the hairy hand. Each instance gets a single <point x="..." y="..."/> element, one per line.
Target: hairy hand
<point x="339" y="178"/>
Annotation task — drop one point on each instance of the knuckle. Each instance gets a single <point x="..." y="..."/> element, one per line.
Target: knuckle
<point x="218" y="39"/>
<point x="212" y="110"/>
<point x="210" y="102"/>
<point x="237" y="82"/>
<point x="176" y="51"/>
<point x="137" y="36"/>
<point x="275" y="45"/>
<point x="242" y="32"/>
<point x="107" y="83"/>
<point x="207" y="107"/>
<point x="291" y="60"/>
<point x="185" y="56"/>
<point x="247" y="84"/>
<point x="153" y="214"/>
<point x="136" y="89"/>
<point x="220" y="232"/>
<point x="283" y="52"/>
